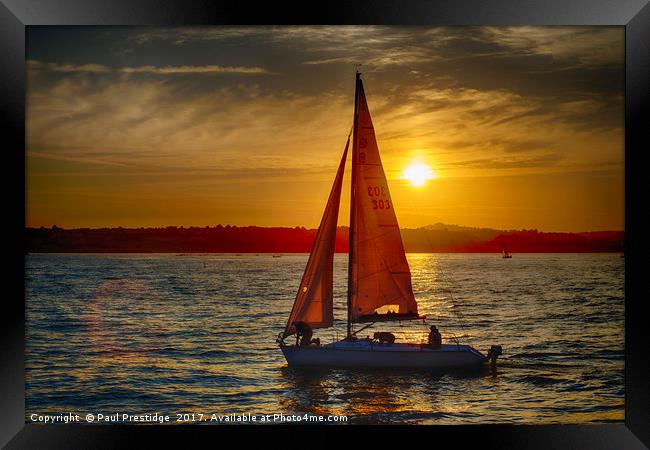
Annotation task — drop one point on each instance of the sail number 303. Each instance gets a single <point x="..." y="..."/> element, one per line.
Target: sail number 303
<point x="378" y="191"/>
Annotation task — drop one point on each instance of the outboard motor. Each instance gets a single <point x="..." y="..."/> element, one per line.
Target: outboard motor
<point x="493" y="354"/>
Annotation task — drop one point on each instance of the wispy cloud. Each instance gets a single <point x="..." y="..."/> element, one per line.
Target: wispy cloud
<point x="75" y="158"/>
<point x="228" y="127"/>
<point x="296" y="35"/>
<point x="374" y="46"/>
<point x="33" y="65"/>
<point x="257" y="116"/>
<point x="36" y="66"/>
<point x="543" y="160"/>
<point x="129" y="116"/>
<point x="587" y="46"/>
<point x="210" y="69"/>
<point x="378" y="46"/>
<point x="375" y="58"/>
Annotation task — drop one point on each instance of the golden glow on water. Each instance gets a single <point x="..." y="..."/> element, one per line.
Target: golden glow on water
<point x="169" y="333"/>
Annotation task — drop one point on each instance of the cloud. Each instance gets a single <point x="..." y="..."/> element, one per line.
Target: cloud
<point x="587" y="46"/>
<point x="183" y="116"/>
<point x="295" y="35"/>
<point x="36" y="66"/>
<point x="373" y="46"/>
<point x="74" y="158"/>
<point x="33" y="65"/>
<point x="432" y="109"/>
<point x="374" y="58"/>
<point x="157" y="123"/>
<point x="210" y="69"/>
<point x="196" y="122"/>
<point x="180" y="35"/>
<point x="580" y="107"/>
<point x="377" y="46"/>
<point x="543" y="160"/>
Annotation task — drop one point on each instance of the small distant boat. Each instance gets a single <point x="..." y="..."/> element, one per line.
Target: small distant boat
<point x="277" y="256"/>
<point x="379" y="278"/>
<point x="504" y="252"/>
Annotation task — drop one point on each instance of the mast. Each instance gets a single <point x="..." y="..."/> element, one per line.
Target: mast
<point x="353" y="211"/>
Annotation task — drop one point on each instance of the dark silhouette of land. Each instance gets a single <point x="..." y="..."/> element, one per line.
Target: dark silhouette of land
<point x="231" y="239"/>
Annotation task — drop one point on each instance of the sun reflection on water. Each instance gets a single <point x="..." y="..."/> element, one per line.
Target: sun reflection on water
<point x="169" y="333"/>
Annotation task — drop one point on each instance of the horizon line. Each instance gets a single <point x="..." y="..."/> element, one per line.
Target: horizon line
<point x="54" y="226"/>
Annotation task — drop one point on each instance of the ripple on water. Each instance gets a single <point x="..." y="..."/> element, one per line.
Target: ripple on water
<point x="189" y="332"/>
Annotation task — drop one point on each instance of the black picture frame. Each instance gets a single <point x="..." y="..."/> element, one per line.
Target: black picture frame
<point x="634" y="15"/>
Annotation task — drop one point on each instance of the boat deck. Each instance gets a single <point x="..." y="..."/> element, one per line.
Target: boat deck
<point x="364" y="345"/>
<point x="363" y="353"/>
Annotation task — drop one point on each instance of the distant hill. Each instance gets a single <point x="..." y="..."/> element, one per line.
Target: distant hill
<point x="230" y="239"/>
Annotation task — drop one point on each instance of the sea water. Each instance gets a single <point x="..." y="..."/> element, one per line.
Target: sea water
<point x="195" y="334"/>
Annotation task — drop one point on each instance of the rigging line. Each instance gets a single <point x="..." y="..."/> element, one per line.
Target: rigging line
<point x="409" y="205"/>
<point x="447" y="285"/>
<point x="461" y="318"/>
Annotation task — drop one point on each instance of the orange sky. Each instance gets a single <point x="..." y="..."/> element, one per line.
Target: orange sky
<point x="522" y="127"/>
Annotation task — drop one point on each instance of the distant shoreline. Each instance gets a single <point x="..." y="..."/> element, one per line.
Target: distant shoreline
<point x="438" y="238"/>
<point x="301" y="253"/>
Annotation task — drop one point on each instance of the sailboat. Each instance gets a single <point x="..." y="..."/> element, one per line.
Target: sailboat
<point x="379" y="278"/>
<point x="504" y="252"/>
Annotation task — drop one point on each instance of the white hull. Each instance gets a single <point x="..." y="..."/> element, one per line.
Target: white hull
<point x="364" y="354"/>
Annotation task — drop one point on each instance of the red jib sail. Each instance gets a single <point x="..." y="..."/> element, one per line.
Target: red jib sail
<point x="314" y="301"/>
<point x="380" y="278"/>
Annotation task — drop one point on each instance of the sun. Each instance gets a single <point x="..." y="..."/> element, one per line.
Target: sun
<point x="418" y="174"/>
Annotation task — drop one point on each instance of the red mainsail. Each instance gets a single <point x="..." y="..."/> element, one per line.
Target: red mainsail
<point x="380" y="279"/>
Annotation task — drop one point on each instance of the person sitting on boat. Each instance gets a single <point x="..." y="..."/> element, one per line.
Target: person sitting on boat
<point x="385" y="337"/>
<point x="435" y="338"/>
<point x="303" y="333"/>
